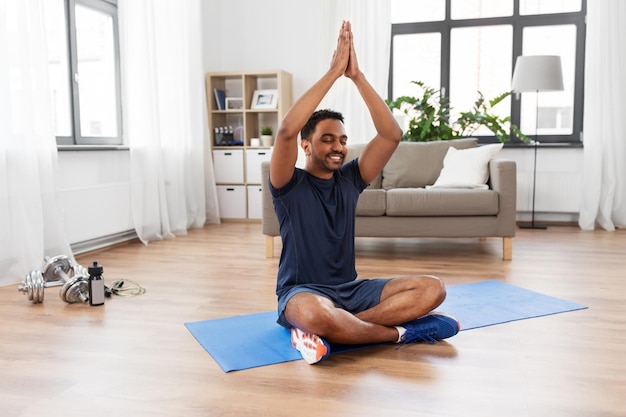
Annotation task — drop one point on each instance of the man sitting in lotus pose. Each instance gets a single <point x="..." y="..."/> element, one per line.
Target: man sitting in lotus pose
<point x="319" y="297"/>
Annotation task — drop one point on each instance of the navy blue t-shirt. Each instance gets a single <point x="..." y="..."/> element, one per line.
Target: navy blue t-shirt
<point x="316" y="218"/>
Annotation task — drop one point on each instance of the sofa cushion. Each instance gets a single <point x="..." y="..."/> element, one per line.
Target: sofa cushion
<point x="441" y="202"/>
<point x="372" y="202"/>
<point x="354" y="151"/>
<point x="417" y="164"/>
<point x="466" y="168"/>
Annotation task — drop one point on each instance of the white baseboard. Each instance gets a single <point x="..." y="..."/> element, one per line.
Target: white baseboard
<point x="525" y="216"/>
<point x="102" y="242"/>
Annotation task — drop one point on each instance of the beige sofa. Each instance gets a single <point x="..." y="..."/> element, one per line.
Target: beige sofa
<point x="401" y="201"/>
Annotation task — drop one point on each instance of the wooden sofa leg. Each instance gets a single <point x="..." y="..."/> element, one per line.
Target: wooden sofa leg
<point x="507" y="248"/>
<point x="269" y="246"/>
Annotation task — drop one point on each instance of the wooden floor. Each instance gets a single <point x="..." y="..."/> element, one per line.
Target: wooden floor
<point x="134" y="356"/>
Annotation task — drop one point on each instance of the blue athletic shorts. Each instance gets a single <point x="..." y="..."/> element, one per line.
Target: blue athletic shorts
<point x="354" y="296"/>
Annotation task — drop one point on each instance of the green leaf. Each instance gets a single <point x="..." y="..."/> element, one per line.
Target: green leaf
<point x="429" y="117"/>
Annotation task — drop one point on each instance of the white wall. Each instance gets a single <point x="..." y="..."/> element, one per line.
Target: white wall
<point x="242" y="35"/>
<point x="249" y="35"/>
<point x="558" y="184"/>
<point x="95" y="191"/>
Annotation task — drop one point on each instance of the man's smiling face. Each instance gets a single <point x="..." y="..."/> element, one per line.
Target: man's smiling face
<point x="326" y="150"/>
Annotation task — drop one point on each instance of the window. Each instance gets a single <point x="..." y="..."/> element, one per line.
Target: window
<point x="83" y="64"/>
<point x="466" y="46"/>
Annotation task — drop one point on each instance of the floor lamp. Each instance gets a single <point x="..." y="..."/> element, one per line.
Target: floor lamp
<point x="535" y="73"/>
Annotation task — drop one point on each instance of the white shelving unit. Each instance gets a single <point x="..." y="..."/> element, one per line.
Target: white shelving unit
<point x="237" y="164"/>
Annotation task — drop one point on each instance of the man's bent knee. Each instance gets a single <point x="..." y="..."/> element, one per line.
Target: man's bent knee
<point x="428" y="291"/>
<point x="309" y="312"/>
<point x="438" y="288"/>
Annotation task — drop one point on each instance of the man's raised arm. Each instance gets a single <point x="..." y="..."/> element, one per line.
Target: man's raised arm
<point x="285" y="151"/>
<point x="388" y="133"/>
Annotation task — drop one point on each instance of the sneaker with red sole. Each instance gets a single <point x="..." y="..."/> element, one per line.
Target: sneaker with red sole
<point x="312" y="347"/>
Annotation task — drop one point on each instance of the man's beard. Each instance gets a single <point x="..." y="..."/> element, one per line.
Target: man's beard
<point x="330" y="164"/>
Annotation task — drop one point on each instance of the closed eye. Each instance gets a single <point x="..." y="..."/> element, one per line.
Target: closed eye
<point x="330" y="138"/>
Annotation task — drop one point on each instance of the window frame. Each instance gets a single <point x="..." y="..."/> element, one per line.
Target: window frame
<point x="519" y="22"/>
<point x="108" y="7"/>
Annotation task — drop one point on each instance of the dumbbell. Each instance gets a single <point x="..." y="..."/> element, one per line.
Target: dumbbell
<point x="56" y="269"/>
<point x="74" y="287"/>
<point x="33" y="286"/>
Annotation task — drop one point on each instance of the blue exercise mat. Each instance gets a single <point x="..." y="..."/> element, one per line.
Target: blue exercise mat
<point x="254" y="340"/>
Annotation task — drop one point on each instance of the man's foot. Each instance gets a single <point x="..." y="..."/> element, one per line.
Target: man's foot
<point x="430" y="328"/>
<point x="312" y="347"/>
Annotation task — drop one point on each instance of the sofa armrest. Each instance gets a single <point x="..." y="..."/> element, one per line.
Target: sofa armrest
<point x="503" y="179"/>
<point x="268" y="219"/>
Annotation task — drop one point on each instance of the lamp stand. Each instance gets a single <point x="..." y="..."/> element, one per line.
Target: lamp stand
<point x="532" y="224"/>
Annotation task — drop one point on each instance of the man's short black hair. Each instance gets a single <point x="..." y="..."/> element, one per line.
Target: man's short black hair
<point x="317" y="117"/>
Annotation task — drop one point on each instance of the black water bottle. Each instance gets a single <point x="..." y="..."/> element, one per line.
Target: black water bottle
<point x="96" y="285"/>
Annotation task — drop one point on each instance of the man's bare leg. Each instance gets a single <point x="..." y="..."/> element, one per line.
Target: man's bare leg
<point x="316" y="314"/>
<point x="405" y="299"/>
<point x="402" y="300"/>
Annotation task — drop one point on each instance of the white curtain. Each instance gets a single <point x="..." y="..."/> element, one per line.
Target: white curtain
<point x="371" y="25"/>
<point x="164" y="108"/>
<point x="31" y="221"/>
<point x="604" y="195"/>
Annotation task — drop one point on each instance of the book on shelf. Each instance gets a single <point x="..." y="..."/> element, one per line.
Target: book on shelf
<point x="220" y="98"/>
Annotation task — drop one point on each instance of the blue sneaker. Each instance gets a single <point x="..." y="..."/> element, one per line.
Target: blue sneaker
<point x="312" y="347"/>
<point x="430" y="328"/>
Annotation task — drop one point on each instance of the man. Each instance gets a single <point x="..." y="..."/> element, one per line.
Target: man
<point x="319" y="297"/>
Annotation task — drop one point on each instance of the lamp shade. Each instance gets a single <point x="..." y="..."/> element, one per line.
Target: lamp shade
<point x="537" y="73"/>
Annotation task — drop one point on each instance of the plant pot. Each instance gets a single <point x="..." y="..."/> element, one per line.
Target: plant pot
<point x="266" y="140"/>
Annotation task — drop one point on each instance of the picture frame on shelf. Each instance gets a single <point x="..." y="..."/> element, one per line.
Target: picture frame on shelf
<point x="234" y="103"/>
<point x="264" y="99"/>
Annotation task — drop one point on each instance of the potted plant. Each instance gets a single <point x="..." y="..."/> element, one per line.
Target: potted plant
<point x="266" y="135"/>
<point x="429" y="117"/>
